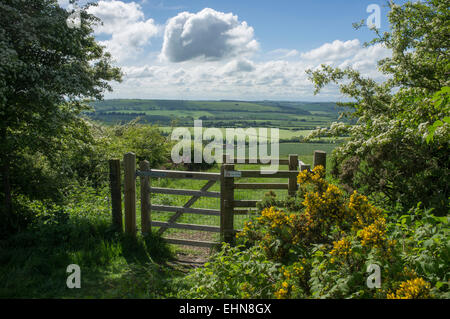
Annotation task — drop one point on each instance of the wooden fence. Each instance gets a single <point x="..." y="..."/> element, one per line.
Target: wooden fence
<point x="229" y="207"/>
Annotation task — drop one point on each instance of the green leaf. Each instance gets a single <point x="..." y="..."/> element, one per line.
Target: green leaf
<point x="439" y="284"/>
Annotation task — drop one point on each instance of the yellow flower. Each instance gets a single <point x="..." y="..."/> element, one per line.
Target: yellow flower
<point x="374" y="234"/>
<point x="273" y="218"/>
<point x="341" y="247"/>
<point x="281" y="294"/>
<point x="316" y="176"/>
<point x="363" y="212"/>
<point x="412" y="289"/>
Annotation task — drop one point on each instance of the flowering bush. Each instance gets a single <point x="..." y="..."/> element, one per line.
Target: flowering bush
<point x="412" y="289"/>
<point x="320" y="243"/>
<point x="327" y="245"/>
<point x="398" y="146"/>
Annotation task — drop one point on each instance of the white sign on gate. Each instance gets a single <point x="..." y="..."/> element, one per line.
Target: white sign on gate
<point x="233" y="174"/>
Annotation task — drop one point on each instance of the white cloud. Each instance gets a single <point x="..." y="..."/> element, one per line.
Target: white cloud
<point x="125" y="23"/>
<point x="238" y="66"/>
<point x="63" y="3"/>
<point x="140" y="72"/>
<point x="333" y="51"/>
<point x="208" y="35"/>
<point x="217" y="54"/>
<point x="281" y="75"/>
<point x="283" y="54"/>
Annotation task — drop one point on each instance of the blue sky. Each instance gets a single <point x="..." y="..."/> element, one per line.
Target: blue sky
<point x="229" y="49"/>
<point x="295" y="24"/>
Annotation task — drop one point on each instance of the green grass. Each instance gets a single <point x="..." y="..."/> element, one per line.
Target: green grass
<point x="33" y="263"/>
<point x="305" y="149"/>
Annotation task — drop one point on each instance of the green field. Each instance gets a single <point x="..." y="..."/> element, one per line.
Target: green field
<point x="284" y="115"/>
<point x="283" y="133"/>
<point x="293" y="119"/>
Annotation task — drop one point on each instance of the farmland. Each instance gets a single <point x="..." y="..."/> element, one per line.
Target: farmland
<point x="283" y="115"/>
<point x="295" y="120"/>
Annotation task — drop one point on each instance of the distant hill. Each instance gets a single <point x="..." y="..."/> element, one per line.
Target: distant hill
<point x="223" y="113"/>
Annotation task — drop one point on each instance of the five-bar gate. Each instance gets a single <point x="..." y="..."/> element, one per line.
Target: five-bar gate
<point x="229" y="207"/>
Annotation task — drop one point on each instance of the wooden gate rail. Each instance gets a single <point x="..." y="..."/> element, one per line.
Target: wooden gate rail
<point x="259" y="174"/>
<point x="189" y="192"/>
<point x="179" y="174"/>
<point x="187" y="226"/>
<point x="261" y="186"/>
<point x="145" y="174"/>
<point x="187" y="205"/>
<point x="175" y="209"/>
<point x="245" y="203"/>
<point x="260" y="161"/>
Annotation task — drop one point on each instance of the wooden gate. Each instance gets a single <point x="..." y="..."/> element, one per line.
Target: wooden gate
<point x="229" y="207"/>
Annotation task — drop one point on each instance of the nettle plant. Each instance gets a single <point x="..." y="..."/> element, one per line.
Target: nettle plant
<point x="399" y="147"/>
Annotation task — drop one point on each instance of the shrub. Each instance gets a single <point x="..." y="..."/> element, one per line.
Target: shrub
<point x="412" y="289"/>
<point x="398" y="149"/>
<point x="326" y="246"/>
<point x="233" y="273"/>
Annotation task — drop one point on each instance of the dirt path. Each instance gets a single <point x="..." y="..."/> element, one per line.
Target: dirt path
<point x="190" y="256"/>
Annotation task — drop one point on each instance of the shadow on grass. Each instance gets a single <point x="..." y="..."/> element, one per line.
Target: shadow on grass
<point x="33" y="263"/>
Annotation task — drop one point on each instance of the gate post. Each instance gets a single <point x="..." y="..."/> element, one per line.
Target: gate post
<point x="129" y="163"/>
<point x="227" y="204"/>
<point x="320" y="158"/>
<point x="145" y="199"/>
<point x="293" y="166"/>
<point x="116" y="193"/>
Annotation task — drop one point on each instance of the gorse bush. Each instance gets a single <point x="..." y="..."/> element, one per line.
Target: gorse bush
<point x="326" y="213"/>
<point x="412" y="289"/>
<point x="320" y="244"/>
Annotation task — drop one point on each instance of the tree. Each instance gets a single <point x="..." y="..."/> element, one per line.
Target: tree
<point x="47" y="70"/>
<point x="399" y="147"/>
